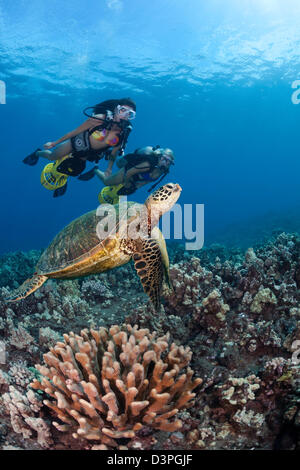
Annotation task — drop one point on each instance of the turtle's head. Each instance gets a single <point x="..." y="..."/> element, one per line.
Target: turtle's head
<point x="162" y="200"/>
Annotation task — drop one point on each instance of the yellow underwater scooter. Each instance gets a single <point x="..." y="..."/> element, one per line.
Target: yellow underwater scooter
<point x="53" y="180"/>
<point x="109" y="194"/>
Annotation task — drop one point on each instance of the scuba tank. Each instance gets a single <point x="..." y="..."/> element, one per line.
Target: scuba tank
<point x="123" y="160"/>
<point x="148" y="150"/>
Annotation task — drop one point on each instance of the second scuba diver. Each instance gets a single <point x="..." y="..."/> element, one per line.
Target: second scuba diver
<point x="106" y="129"/>
<point x="145" y="165"/>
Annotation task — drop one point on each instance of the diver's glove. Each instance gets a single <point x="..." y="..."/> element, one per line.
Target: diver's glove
<point x="31" y="159"/>
<point x="88" y="175"/>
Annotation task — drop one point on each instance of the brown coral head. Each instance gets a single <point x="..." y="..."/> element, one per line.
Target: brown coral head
<point x="107" y="384"/>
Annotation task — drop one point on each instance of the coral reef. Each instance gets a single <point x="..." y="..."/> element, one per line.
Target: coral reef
<point x="238" y="312"/>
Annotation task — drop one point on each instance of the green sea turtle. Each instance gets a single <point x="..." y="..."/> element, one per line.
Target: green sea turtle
<point x="79" y="251"/>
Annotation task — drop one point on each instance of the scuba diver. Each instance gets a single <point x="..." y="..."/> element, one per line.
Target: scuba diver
<point x="145" y="165"/>
<point x="103" y="134"/>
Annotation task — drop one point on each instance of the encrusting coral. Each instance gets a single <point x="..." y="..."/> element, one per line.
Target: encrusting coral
<point x="107" y="384"/>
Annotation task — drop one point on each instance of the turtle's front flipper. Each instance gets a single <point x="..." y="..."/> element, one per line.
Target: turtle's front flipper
<point x="158" y="236"/>
<point x="148" y="263"/>
<point x="25" y="289"/>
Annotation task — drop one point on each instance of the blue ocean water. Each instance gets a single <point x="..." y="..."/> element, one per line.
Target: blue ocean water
<point x="212" y="80"/>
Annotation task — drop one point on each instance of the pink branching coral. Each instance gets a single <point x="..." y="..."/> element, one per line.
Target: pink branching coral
<point x="107" y="384"/>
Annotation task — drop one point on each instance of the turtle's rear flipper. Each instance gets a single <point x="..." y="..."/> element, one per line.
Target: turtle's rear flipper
<point x="148" y="264"/>
<point x="25" y="289"/>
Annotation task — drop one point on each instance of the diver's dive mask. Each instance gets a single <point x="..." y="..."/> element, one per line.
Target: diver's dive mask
<point x="166" y="154"/>
<point x="165" y="161"/>
<point x="125" y="113"/>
